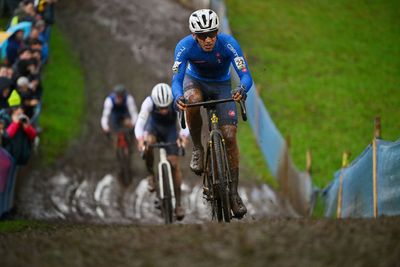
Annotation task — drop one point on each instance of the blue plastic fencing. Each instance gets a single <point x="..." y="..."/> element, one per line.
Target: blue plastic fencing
<point x="357" y="185"/>
<point x="7" y="181"/>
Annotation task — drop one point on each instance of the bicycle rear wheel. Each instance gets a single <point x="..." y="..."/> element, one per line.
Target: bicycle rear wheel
<point x="222" y="185"/>
<point x="167" y="200"/>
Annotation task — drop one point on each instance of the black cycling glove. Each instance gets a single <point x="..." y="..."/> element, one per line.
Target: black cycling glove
<point x="241" y="90"/>
<point x="182" y="99"/>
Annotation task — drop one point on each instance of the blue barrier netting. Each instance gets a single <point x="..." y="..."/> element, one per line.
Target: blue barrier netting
<point x="358" y="187"/>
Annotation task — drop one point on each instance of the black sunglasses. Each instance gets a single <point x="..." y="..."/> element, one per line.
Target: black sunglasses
<point x="205" y="35"/>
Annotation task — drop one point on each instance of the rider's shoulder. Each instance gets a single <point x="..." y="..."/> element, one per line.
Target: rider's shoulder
<point x="148" y="101"/>
<point x="187" y="42"/>
<point x="226" y="38"/>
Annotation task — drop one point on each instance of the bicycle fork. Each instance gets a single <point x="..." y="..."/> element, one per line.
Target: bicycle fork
<point x="164" y="161"/>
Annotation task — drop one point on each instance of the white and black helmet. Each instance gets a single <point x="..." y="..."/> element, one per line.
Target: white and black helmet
<point x="203" y="20"/>
<point x="161" y="95"/>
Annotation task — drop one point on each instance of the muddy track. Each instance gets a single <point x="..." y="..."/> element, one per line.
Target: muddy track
<point x="129" y="42"/>
<point x="120" y="41"/>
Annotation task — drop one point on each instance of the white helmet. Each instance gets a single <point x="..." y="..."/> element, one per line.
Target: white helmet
<point x="162" y="95"/>
<point x="203" y="20"/>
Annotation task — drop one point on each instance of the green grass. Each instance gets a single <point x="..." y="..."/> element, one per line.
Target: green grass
<point x="63" y="99"/>
<point x="20" y="225"/>
<point x="326" y="69"/>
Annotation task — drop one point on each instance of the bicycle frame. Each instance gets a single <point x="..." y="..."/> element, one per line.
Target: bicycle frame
<point x="164" y="161"/>
<point x="216" y="174"/>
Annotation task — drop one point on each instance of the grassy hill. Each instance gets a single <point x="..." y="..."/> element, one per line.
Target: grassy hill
<point x="326" y="69"/>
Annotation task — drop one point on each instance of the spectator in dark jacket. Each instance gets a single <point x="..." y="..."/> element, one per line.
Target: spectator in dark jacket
<point x="19" y="133"/>
<point x="15" y="43"/>
<point x="5" y="90"/>
<point x="25" y="12"/>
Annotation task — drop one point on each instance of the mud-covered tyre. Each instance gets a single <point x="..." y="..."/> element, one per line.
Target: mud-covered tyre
<point x="167" y="200"/>
<point x="125" y="173"/>
<point x="222" y="187"/>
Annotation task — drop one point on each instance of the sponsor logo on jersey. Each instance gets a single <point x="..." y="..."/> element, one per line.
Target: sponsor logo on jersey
<point x="233" y="50"/>
<point x="178" y="55"/>
<point x="219" y="60"/>
<point x="231" y="113"/>
<point x="240" y="63"/>
<point x="175" y="67"/>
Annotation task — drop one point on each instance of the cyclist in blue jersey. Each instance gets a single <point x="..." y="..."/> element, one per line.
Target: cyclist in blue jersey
<point x="119" y="110"/>
<point x="202" y="72"/>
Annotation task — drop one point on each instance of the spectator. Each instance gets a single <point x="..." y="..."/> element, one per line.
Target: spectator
<point x="38" y="45"/>
<point x="28" y="98"/>
<point x="5" y="90"/>
<point x="25" y="12"/>
<point x="19" y="133"/>
<point x="15" y="43"/>
<point x="46" y="9"/>
<point x="3" y="70"/>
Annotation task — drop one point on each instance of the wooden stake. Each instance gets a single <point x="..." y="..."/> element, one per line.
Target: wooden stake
<point x="309" y="161"/>
<point x="377" y="132"/>
<point x="345" y="163"/>
<point x="374" y="177"/>
<point x="286" y="167"/>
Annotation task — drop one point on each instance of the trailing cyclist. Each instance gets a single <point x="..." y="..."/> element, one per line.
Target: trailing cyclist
<point x="158" y="122"/>
<point x="119" y="110"/>
<point x="201" y="72"/>
<point x="118" y="121"/>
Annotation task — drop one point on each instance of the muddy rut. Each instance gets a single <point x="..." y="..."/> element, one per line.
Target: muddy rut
<point x="129" y="42"/>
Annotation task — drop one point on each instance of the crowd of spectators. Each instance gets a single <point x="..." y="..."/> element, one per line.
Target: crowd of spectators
<point x="26" y="53"/>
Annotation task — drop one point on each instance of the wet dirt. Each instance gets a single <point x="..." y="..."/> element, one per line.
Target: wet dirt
<point x="278" y="242"/>
<point x="129" y="42"/>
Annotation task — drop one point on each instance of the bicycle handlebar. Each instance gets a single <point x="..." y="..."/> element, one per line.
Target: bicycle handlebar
<point x="211" y="103"/>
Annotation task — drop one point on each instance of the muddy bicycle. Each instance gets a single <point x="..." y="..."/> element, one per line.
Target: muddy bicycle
<point x="122" y="140"/>
<point x="216" y="176"/>
<point x="164" y="180"/>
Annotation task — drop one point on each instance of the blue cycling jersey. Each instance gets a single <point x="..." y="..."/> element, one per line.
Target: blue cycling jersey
<point x="212" y="66"/>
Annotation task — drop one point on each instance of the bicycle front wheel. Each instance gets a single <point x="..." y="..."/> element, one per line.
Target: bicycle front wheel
<point x="167" y="200"/>
<point x="222" y="183"/>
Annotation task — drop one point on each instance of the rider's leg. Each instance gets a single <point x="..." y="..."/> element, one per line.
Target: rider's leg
<point x="194" y="121"/>
<point x="229" y="133"/>
<point x="177" y="177"/>
<point x="149" y="159"/>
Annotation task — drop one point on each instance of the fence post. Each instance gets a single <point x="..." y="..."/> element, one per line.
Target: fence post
<point x="377" y="134"/>
<point x="345" y="163"/>
<point x="286" y="168"/>
<point x="309" y="161"/>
